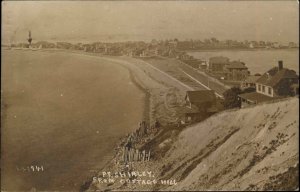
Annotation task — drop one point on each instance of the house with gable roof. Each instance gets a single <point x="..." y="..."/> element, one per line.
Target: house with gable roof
<point x="217" y="64"/>
<point x="236" y="70"/>
<point x="276" y="83"/>
<point x="199" y="105"/>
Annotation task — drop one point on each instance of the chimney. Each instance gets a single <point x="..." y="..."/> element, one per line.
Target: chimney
<point x="280" y="65"/>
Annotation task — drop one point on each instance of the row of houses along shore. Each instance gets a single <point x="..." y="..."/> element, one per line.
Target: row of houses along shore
<point x="276" y="83"/>
<point x="231" y="72"/>
<point x="161" y="45"/>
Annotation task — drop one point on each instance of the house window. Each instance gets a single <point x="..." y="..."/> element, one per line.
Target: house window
<point x="270" y="90"/>
<point x="259" y="87"/>
<point x="263" y="88"/>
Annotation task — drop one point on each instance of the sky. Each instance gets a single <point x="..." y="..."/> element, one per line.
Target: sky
<point x="88" y="21"/>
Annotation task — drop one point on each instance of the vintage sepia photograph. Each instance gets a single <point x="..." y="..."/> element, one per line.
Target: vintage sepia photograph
<point x="176" y="95"/>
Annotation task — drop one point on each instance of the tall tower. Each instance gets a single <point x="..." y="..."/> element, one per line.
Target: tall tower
<point x="29" y="39"/>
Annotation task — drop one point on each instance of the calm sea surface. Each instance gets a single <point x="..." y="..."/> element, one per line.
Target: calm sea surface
<point x="62" y="112"/>
<point x="258" y="61"/>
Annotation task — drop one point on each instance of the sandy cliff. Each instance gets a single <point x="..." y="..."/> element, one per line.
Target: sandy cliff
<point x="254" y="148"/>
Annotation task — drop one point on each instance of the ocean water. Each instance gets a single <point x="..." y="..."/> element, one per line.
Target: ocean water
<point x="258" y="61"/>
<point x="63" y="113"/>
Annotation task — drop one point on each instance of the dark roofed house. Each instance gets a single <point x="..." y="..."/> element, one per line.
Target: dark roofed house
<point x="200" y="104"/>
<point x="217" y="64"/>
<point x="278" y="82"/>
<point x="236" y="71"/>
<point x="236" y="65"/>
<point x="199" y="97"/>
<point x="191" y="114"/>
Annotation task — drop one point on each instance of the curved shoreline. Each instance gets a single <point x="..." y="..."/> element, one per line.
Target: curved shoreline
<point x="146" y="113"/>
<point x="146" y="117"/>
<point x="136" y="101"/>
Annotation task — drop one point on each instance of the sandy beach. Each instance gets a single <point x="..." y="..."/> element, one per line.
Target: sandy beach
<point x="156" y="82"/>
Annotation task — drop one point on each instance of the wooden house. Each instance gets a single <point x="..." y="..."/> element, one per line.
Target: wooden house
<point x="278" y="82"/>
<point x="236" y="71"/>
<point x="199" y="105"/>
<point x="217" y="64"/>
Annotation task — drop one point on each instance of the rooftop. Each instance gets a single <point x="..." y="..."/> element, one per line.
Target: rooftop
<point x="274" y="76"/>
<point x="200" y="96"/>
<point x="257" y="97"/>
<point x="252" y="79"/>
<point x="219" y="59"/>
<point x="236" y="65"/>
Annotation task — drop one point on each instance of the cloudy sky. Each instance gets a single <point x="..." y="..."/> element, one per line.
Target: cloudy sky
<point x="145" y="20"/>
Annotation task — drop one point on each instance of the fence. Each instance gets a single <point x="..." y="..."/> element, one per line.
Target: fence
<point x="131" y="154"/>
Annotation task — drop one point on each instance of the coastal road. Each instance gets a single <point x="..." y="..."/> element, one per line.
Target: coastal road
<point x="144" y="69"/>
<point x="206" y="87"/>
<point x="179" y="73"/>
<point x="207" y="81"/>
<point x="186" y="75"/>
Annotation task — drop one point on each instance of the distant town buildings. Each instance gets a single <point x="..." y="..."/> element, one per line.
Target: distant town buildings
<point x="293" y="45"/>
<point x="44" y="44"/>
<point x="276" y="83"/>
<point x="167" y="48"/>
<point x="228" y="73"/>
<point x="63" y="45"/>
